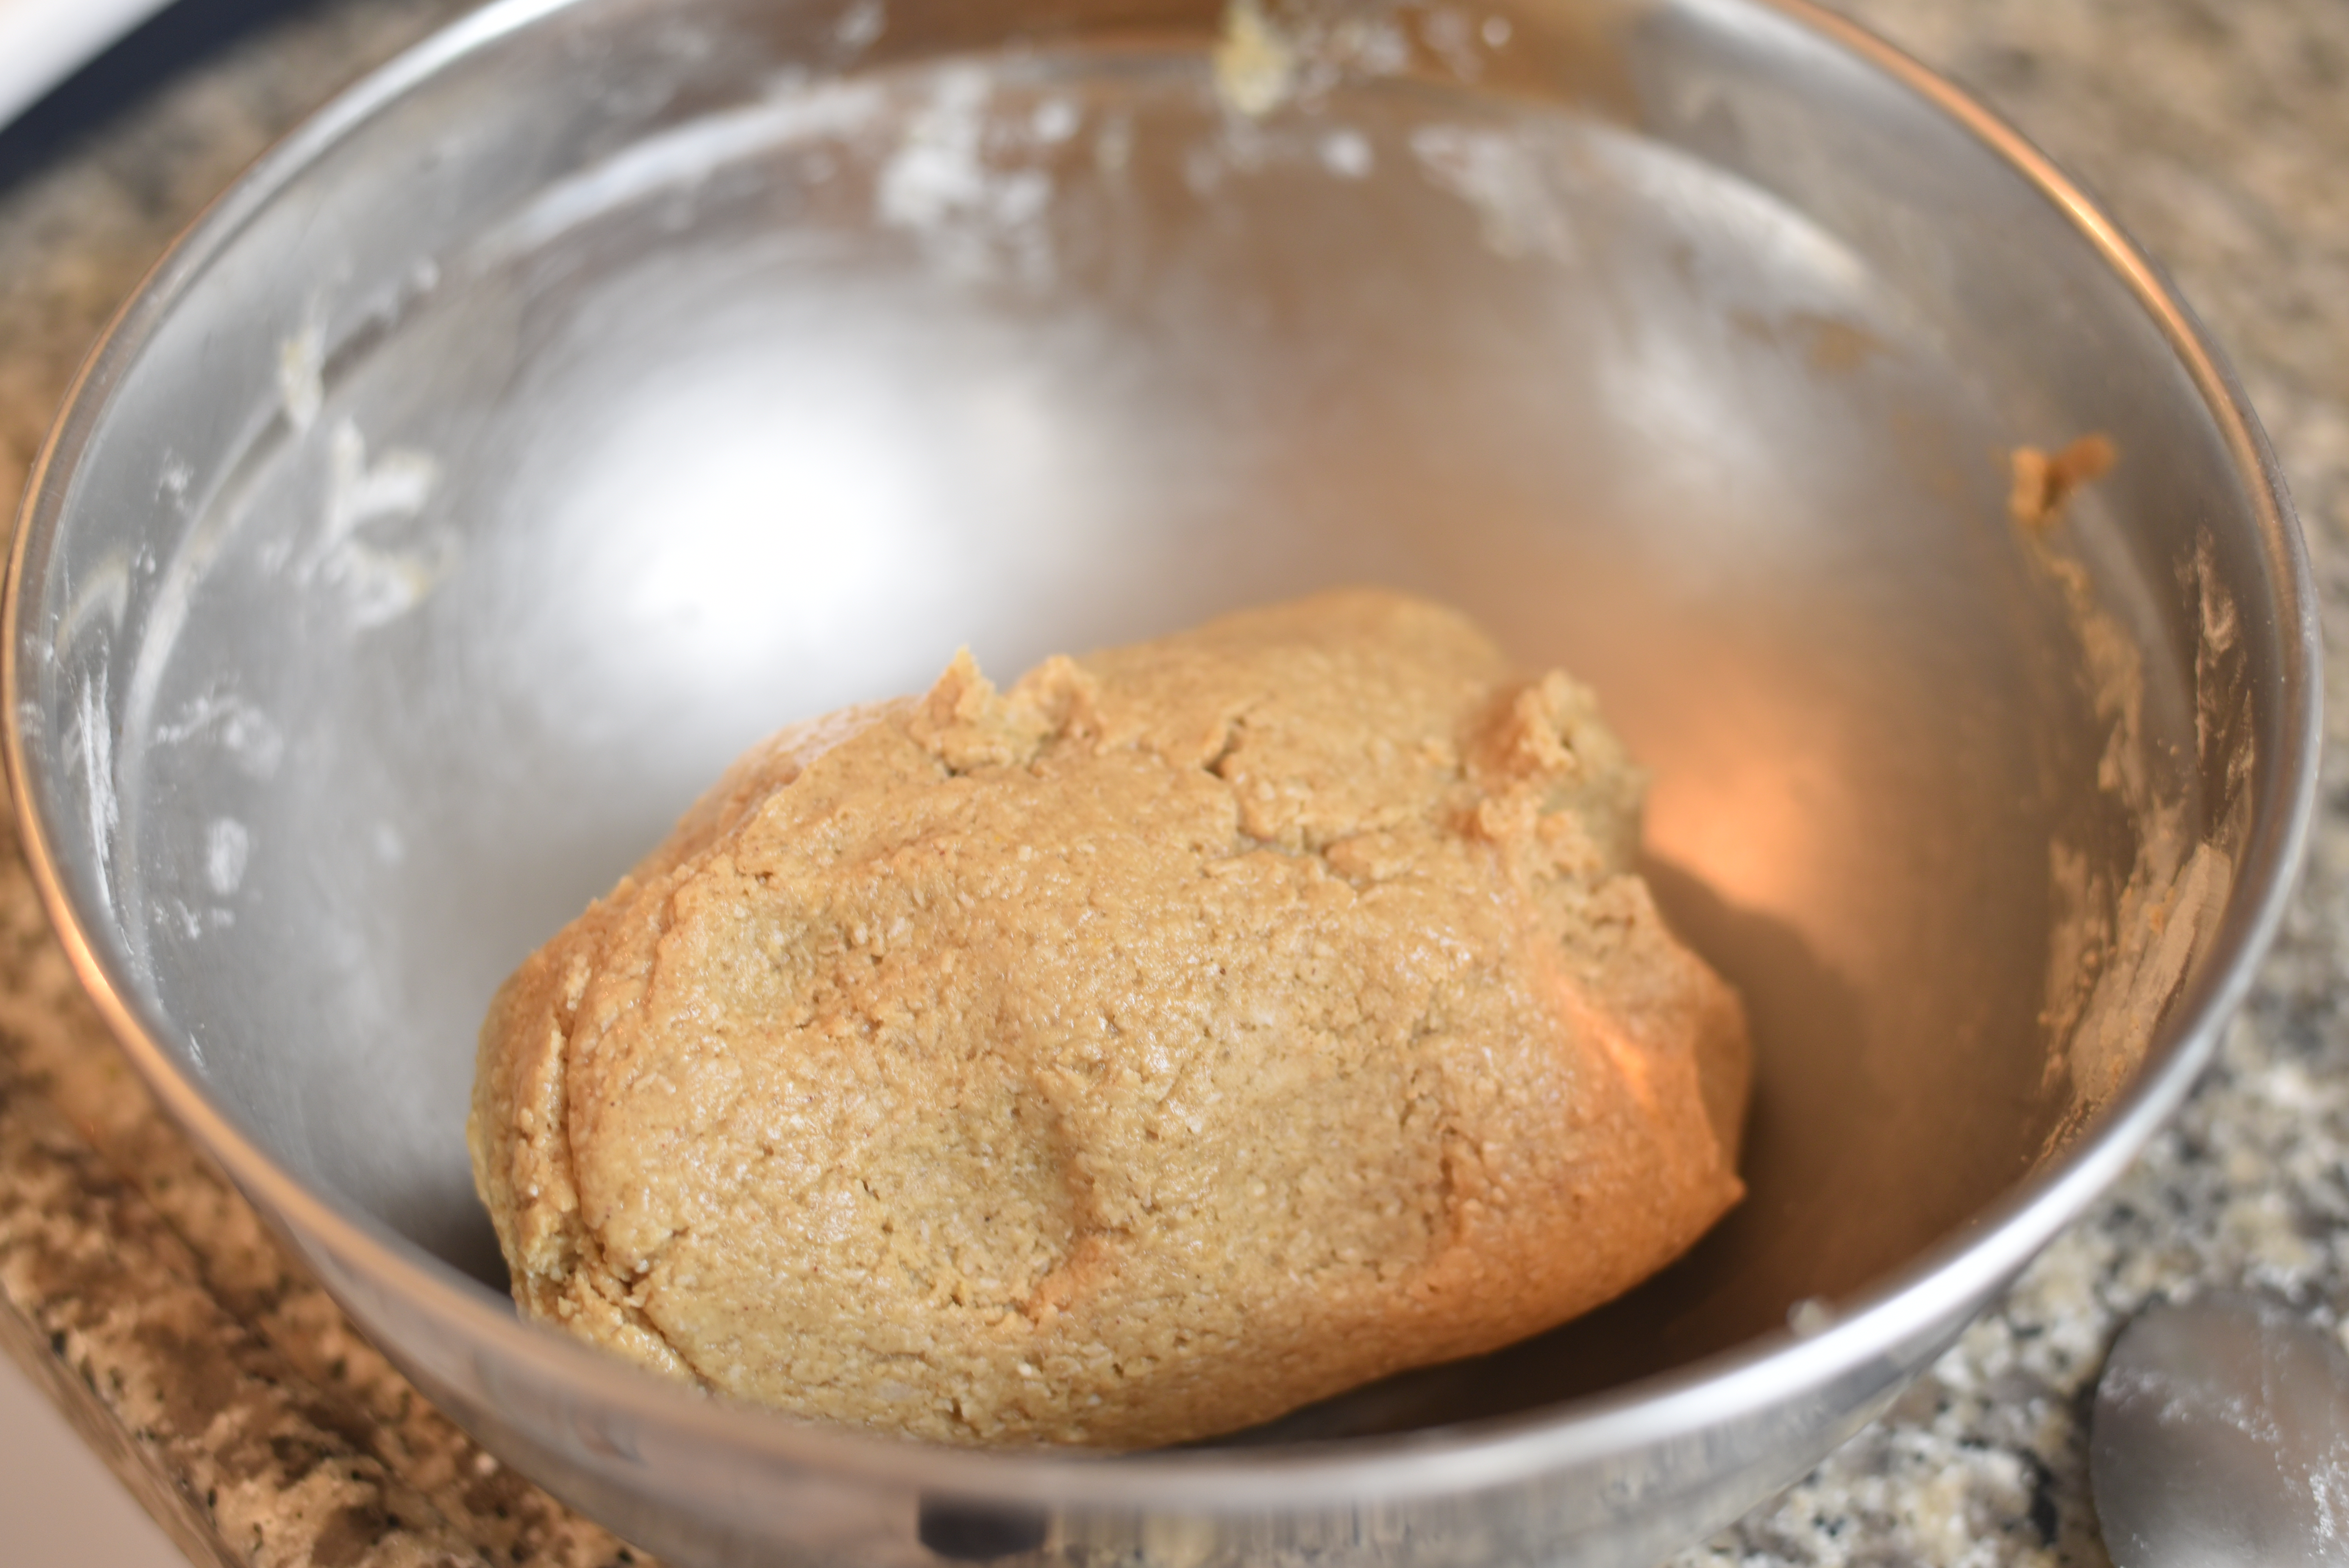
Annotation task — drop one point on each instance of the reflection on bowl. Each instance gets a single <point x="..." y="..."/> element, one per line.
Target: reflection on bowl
<point x="611" y="381"/>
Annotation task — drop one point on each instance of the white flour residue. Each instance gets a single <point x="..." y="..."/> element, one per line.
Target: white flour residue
<point x="89" y="740"/>
<point x="975" y="217"/>
<point x="1503" y="178"/>
<point x="366" y="500"/>
<point x="301" y="373"/>
<point x="1454" y="38"/>
<point x="193" y="923"/>
<point x="1371" y="46"/>
<point x="1347" y="154"/>
<point x="1463" y="41"/>
<point x="2328" y="1487"/>
<point x="1053" y="121"/>
<point x="821" y="116"/>
<point x="1355" y="42"/>
<point x="101" y="596"/>
<point x="249" y="737"/>
<point x="178" y="477"/>
<point x="861" y="26"/>
<point x="1254" y="63"/>
<point x="228" y="846"/>
<point x="1810" y="1317"/>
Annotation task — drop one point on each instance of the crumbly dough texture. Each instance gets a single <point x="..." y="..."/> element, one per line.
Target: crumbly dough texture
<point x="1190" y="1032"/>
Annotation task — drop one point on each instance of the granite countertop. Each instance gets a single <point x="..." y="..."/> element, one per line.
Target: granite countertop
<point x="241" y="1407"/>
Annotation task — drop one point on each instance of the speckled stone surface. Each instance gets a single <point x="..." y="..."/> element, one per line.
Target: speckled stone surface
<point x="264" y="1432"/>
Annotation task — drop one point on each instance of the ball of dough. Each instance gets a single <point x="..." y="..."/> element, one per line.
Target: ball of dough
<point x="1190" y="1032"/>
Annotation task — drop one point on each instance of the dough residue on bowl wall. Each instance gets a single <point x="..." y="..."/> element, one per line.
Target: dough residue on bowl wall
<point x="2121" y="947"/>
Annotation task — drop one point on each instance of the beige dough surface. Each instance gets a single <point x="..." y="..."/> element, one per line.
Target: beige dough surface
<point x="1190" y="1032"/>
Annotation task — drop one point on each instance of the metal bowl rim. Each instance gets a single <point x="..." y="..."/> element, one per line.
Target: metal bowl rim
<point x="1929" y="1296"/>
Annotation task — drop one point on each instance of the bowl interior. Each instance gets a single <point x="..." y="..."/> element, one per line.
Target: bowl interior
<point x="553" y="430"/>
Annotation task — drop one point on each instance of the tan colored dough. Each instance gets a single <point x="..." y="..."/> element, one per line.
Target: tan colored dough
<point x="1191" y="1032"/>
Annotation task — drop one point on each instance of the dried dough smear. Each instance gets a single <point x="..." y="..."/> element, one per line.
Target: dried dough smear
<point x="1188" y="1033"/>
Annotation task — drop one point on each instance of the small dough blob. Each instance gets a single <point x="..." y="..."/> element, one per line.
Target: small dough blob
<point x="1191" y="1032"/>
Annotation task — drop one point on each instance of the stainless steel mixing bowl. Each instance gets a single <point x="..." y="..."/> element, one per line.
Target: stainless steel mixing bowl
<point x="609" y="381"/>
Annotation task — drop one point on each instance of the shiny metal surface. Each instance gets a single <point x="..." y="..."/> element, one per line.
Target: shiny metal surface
<point x="2221" y="1437"/>
<point x="613" y="380"/>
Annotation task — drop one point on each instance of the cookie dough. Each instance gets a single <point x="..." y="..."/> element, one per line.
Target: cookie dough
<point x="1188" y="1033"/>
